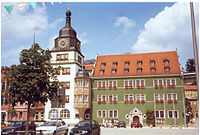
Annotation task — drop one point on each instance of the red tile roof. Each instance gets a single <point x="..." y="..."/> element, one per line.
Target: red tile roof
<point x="89" y="66"/>
<point x="158" y="57"/>
<point x="190" y="87"/>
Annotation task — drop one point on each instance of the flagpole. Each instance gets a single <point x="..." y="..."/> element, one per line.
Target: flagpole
<point x="195" y="46"/>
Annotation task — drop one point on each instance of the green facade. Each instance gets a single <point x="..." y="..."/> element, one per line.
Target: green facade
<point x="149" y="104"/>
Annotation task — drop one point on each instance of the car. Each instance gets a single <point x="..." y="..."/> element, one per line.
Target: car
<point x="53" y="127"/>
<point x="86" y="127"/>
<point x="136" y="124"/>
<point x="3" y="125"/>
<point x="18" y="126"/>
<point x="121" y="124"/>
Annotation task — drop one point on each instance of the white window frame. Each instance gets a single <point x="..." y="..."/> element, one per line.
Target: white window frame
<point x="112" y="95"/>
<point x="101" y="97"/>
<point x="112" y="84"/>
<point x="113" y="111"/>
<point x="170" y="82"/>
<point x="128" y="83"/>
<point x="140" y="84"/>
<point x="101" y="111"/>
<point x="158" y="80"/>
<point x="160" y="114"/>
<point x="101" y="82"/>
<point x="173" y="114"/>
<point x="140" y="95"/>
<point x="159" y="96"/>
<point x="172" y="96"/>
<point x="129" y="95"/>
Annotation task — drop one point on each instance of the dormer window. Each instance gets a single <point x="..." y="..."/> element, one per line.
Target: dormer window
<point x="166" y="61"/>
<point x="152" y="62"/>
<point x="126" y="70"/>
<point x="115" y="64"/>
<point x="103" y="64"/>
<point x="101" y="72"/>
<point x="139" y="69"/>
<point x="139" y="63"/>
<point x="126" y="63"/>
<point x="114" y="71"/>
<point x="167" y="69"/>
<point x="153" y="69"/>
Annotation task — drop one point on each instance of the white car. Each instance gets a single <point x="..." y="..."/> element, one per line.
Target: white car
<point x="53" y="127"/>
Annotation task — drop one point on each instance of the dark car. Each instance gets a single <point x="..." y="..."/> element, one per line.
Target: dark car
<point x="18" y="126"/>
<point x="121" y="124"/>
<point x="136" y="124"/>
<point x="86" y="127"/>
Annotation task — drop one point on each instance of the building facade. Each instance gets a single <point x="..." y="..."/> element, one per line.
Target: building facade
<point x="67" y="55"/>
<point x="125" y="86"/>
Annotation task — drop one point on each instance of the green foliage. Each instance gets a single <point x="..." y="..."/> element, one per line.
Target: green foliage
<point x="190" y="65"/>
<point x="33" y="80"/>
<point x="150" y="118"/>
<point x="12" y="113"/>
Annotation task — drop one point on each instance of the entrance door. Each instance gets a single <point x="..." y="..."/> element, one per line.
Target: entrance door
<point x="136" y="118"/>
<point x="3" y="116"/>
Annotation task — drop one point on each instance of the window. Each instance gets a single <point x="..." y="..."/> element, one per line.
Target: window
<point x="158" y="83"/>
<point x="128" y="98"/>
<point x="42" y="115"/>
<point x="101" y="98"/>
<point x="113" y="98"/>
<point x="101" y="84"/>
<point x="101" y="114"/>
<point x="64" y="114"/>
<point x="140" y="83"/>
<point x="140" y="97"/>
<point x="172" y="97"/>
<point x="173" y="114"/>
<point x="112" y="84"/>
<point x="126" y="63"/>
<point x="53" y="114"/>
<point x="139" y="69"/>
<point x="166" y="61"/>
<point x="36" y="115"/>
<point x="3" y="86"/>
<point x="152" y="62"/>
<point x="85" y="83"/>
<point x="115" y="64"/>
<point x="4" y="100"/>
<point x="66" y="71"/>
<point x="171" y="82"/>
<point x="114" y="71"/>
<point x="7" y="85"/>
<point x="113" y="114"/>
<point x="85" y="98"/>
<point x="160" y="114"/>
<point x="62" y="57"/>
<point x="126" y="70"/>
<point x="101" y="72"/>
<point x="67" y="99"/>
<point x="167" y="69"/>
<point x="66" y="85"/>
<point x="79" y="60"/>
<point x="159" y="98"/>
<point x="103" y="64"/>
<point x="20" y="115"/>
<point x="76" y="116"/>
<point x="139" y="63"/>
<point x="153" y="69"/>
<point x="128" y="83"/>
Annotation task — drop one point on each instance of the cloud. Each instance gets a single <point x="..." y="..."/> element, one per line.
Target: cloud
<point x="83" y="38"/>
<point x="22" y="24"/>
<point x="125" y="22"/>
<point x="52" y="41"/>
<point x="56" y="23"/>
<point x="12" y="52"/>
<point x="170" y="29"/>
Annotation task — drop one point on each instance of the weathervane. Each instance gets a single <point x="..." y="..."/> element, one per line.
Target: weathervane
<point x="68" y="6"/>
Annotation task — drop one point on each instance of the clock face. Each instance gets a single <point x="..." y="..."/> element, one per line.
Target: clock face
<point x="63" y="43"/>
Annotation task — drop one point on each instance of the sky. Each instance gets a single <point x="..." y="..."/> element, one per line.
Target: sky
<point x="104" y="28"/>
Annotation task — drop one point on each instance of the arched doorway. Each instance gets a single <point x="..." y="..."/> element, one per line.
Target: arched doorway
<point x="87" y="114"/>
<point x="136" y="118"/>
<point x="3" y="116"/>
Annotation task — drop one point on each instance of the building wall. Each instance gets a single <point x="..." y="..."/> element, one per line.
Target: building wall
<point x="149" y="90"/>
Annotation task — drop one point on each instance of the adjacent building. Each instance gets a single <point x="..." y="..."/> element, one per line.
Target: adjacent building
<point x="125" y="86"/>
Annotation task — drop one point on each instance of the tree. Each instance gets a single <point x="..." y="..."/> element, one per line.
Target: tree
<point x="33" y="80"/>
<point x="150" y="118"/>
<point x="190" y="65"/>
<point x="12" y="113"/>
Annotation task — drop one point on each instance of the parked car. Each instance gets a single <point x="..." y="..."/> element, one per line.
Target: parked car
<point x="136" y="124"/>
<point x="121" y="124"/>
<point x="18" y="126"/>
<point x="3" y="125"/>
<point x="86" y="127"/>
<point x="53" y="127"/>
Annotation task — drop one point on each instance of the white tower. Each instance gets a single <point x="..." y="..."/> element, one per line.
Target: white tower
<point x="66" y="53"/>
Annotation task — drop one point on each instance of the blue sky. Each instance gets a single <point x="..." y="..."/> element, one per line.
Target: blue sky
<point x="103" y="28"/>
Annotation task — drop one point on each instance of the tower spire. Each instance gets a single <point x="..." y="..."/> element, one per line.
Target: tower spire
<point x="68" y="17"/>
